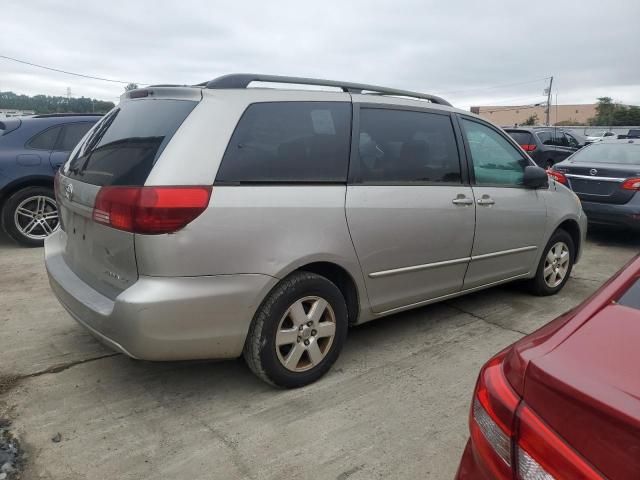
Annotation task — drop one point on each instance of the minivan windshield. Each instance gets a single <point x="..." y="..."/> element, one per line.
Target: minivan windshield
<point x="123" y="146"/>
<point x="622" y="153"/>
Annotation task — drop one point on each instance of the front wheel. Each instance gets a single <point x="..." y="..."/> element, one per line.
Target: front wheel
<point x="298" y="331"/>
<point x="555" y="265"/>
<point x="30" y="215"/>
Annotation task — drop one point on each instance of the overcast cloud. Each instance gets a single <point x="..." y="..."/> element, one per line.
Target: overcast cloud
<point x="459" y="49"/>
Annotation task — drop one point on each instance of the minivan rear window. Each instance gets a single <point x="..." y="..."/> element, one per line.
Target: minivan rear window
<point x="123" y="146"/>
<point x="521" y="138"/>
<point x="289" y="142"/>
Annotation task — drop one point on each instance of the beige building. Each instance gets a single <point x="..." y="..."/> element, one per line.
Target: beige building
<point x="510" y="115"/>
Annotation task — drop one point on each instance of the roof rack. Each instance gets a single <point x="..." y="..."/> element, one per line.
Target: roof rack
<point x="53" y="115"/>
<point x="242" y="80"/>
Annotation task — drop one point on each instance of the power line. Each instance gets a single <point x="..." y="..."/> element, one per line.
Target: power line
<point x="67" y="72"/>
<point x="494" y="86"/>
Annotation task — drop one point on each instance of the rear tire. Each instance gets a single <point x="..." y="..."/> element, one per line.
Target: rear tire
<point x="298" y="331"/>
<point x="30" y="215"/>
<point x="555" y="265"/>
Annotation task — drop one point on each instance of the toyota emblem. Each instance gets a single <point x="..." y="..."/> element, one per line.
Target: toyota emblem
<point x="593" y="171"/>
<point x="68" y="191"/>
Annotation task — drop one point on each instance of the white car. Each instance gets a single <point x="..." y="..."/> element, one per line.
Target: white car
<point x="599" y="136"/>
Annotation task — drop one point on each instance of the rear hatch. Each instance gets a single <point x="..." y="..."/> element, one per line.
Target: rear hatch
<point x="588" y="387"/>
<point x="596" y="173"/>
<point x="120" y="150"/>
<point x="524" y="139"/>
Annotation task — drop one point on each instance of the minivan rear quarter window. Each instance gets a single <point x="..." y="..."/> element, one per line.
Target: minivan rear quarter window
<point x="400" y="146"/>
<point x="289" y="142"/>
<point x="125" y="144"/>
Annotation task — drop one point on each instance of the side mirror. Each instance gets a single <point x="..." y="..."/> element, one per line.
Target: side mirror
<point x="535" y="177"/>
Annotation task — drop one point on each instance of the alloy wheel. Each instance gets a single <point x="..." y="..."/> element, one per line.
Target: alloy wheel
<point x="556" y="264"/>
<point x="305" y="334"/>
<point x="36" y="217"/>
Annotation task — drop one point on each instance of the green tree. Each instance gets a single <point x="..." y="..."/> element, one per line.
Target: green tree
<point x="532" y="120"/>
<point x="130" y="86"/>
<point x="49" y="104"/>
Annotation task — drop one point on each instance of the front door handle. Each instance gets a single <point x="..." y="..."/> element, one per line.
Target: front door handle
<point x="461" y="199"/>
<point x="486" y="201"/>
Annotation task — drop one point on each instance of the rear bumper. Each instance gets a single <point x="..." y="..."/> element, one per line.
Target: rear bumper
<point x="469" y="468"/>
<point x="162" y="318"/>
<point x="625" y="215"/>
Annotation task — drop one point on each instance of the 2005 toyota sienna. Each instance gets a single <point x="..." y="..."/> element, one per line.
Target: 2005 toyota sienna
<point x="220" y="220"/>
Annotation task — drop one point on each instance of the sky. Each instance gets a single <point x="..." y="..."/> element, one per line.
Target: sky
<point x="470" y="52"/>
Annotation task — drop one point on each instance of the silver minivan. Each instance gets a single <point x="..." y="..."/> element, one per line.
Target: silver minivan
<point x="220" y="220"/>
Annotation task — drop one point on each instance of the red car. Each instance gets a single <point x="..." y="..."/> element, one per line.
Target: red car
<point x="564" y="402"/>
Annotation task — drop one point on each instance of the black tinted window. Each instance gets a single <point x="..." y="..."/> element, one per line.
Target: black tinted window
<point x="404" y="146"/>
<point x="45" y="140"/>
<point x="71" y="135"/>
<point x="289" y="142"/>
<point x="571" y="140"/>
<point x="126" y="142"/>
<point x="522" y="138"/>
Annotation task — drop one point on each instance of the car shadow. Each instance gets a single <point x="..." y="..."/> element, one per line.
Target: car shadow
<point x="611" y="236"/>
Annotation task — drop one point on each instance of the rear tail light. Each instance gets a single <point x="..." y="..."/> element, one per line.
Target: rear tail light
<point x="150" y="210"/>
<point x="492" y="419"/>
<point x="510" y="440"/>
<point x="543" y="454"/>
<point x="557" y="176"/>
<point x="528" y="147"/>
<point x="631" y="184"/>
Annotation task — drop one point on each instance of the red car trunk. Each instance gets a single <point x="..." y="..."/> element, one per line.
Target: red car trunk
<point x="588" y="389"/>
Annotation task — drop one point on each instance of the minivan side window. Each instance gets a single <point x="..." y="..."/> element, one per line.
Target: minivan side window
<point x="289" y="142"/>
<point x="45" y="140"/>
<point x="495" y="160"/>
<point x="407" y="146"/>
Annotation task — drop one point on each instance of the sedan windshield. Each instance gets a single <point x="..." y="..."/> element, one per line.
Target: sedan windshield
<point x="622" y="153"/>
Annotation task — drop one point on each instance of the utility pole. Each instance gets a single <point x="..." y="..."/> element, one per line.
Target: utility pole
<point x="549" y="100"/>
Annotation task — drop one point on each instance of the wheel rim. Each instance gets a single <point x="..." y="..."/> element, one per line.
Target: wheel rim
<point x="36" y="217"/>
<point x="305" y="334"/>
<point x="556" y="264"/>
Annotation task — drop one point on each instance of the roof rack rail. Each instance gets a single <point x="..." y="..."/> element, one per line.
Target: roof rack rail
<point x="242" y="80"/>
<point x="53" y="115"/>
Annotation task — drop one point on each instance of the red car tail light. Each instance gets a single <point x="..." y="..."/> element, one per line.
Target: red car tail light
<point x="509" y="440"/>
<point x="492" y="418"/>
<point x="557" y="176"/>
<point x="631" y="184"/>
<point x="543" y="454"/>
<point x="150" y="210"/>
<point x="528" y="148"/>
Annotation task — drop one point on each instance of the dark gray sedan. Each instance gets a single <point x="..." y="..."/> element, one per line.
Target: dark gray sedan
<point x="606" y="177"/>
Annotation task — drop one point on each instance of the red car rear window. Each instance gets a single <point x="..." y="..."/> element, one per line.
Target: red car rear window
<point x="631" y="298"/>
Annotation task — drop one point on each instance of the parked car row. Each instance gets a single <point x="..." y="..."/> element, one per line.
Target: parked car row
<point x="217" y="221"/>
<point x="547" y="145"/>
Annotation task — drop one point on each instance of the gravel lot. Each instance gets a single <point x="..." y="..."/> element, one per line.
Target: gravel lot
<point x="395" y="404"/>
